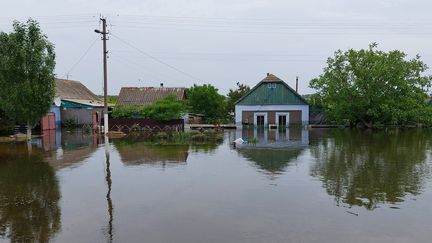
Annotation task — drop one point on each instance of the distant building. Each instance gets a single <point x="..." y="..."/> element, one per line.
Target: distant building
<point x="78" y="102"/>
<point x="73" y="101"/>
<point x="148" y="95"/>
<point x="272" y="102"/>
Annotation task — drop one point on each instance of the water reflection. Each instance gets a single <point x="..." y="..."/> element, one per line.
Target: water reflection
<point x="108" y="195"/>
<point x="272" y="150"/>
<point x="271" y="160"/>
<point x="276" y="138"/>
<point x="29" y="196"/>
<point x="142" y="153"/>
<point x="67" y="149"/>
<point x="371" y="168"/>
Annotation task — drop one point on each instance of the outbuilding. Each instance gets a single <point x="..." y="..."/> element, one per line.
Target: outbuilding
<point x="272" y="102"/>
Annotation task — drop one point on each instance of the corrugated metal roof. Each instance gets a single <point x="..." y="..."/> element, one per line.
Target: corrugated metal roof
<point x="75" y="91"/>
<point x="272" y="91"/>
<point x="271" y="78"/>
<point x="148" y="95"/>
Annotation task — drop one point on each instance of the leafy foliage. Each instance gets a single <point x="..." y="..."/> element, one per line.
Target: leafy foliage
<point x="205" y="99"/>
<point x="374" y="87"/>
<point x="236" y="94"/>
<point x="27" y="63"/>
<point x="6" y="124"/>
<point x="163" y="110"/>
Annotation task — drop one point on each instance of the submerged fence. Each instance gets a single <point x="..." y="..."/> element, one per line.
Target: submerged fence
<point x="127" y="125"/>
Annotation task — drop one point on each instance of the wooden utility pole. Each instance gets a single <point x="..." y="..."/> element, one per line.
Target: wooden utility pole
<point x="104" y="39"/>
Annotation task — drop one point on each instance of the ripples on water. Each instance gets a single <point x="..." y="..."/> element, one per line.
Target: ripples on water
<point x="289" y="186"/>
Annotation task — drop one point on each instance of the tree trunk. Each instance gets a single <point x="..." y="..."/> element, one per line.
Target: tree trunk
<point x="29" y="127"/>
<point x="368" y="124"/>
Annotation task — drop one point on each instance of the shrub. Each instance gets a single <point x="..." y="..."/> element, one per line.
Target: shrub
<point x="163" y="110"/>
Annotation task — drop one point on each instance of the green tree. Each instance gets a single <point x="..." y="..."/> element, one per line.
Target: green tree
<point x="373" y="87"/>
<point x="27" y="81"/>
<point x="236" y="94"/>
<point x="205" y="99"/>
<point x="6" y="124"/>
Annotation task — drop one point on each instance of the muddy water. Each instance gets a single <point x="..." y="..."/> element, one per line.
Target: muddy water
<point x="288" y="186"/>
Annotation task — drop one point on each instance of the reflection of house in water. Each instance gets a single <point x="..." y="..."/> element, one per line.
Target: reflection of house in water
<point x="274" y="149"/>
<point x="68" y="148"/>
<point x="271" y="160"/>
<point x="139" y="153"/>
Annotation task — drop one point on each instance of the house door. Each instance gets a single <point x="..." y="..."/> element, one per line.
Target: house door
<point x="260" y="120"/>
<point x="95" y="120"/>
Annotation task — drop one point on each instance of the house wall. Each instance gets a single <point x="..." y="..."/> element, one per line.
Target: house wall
<point x="56" y="110"/>
<point x="298" y="114"/>
<point x="80" y="115"/>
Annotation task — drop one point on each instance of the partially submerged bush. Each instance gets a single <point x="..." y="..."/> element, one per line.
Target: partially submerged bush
<point x="162" y="135"/>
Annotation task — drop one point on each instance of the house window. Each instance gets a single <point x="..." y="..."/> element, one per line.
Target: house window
<point x="271" y="85"/>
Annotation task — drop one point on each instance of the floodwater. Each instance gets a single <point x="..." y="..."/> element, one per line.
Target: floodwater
<point x="287" y="186"/>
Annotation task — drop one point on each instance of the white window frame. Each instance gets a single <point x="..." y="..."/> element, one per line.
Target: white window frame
<point x="287" y="114"/>
<point x="260" y="114"/>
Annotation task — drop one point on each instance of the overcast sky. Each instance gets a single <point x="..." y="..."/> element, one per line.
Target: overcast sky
<point x="221" y="42"/>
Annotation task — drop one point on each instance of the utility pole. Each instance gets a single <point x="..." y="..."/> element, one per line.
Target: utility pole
<point x="297" y="84"/>
<point x="104" y="39"/>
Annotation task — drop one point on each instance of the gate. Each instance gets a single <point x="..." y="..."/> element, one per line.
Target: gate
<point x="48" y="122"/>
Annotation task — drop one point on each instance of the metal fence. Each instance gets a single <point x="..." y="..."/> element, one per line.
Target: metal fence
<point x="127" y="125"/>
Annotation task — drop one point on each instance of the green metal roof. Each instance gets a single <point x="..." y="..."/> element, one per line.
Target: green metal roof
<point x="70" y="104"/>
<point x="272" y="92"/>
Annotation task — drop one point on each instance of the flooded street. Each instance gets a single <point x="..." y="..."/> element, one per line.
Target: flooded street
<point x="294" y="185"/>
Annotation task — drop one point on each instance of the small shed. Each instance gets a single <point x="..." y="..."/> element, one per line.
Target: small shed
<point x="272" y="102"/>
<point x="78" y="102"/>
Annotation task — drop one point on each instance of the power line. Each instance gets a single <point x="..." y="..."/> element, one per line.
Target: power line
<point x="140" y="68"/>
<point x="156" y="59"/>
<point x="82" y="57"/>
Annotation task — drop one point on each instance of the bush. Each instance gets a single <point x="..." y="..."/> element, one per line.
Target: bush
<point x="162" y="135"/>
<point x="167" y="109"/>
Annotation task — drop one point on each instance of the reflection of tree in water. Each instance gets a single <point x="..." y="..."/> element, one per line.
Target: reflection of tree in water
<point x="369" y="168"/>
<point x="206" y="148"/>
<point x="271" y="160"/>
<point x="29" y="196"/>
